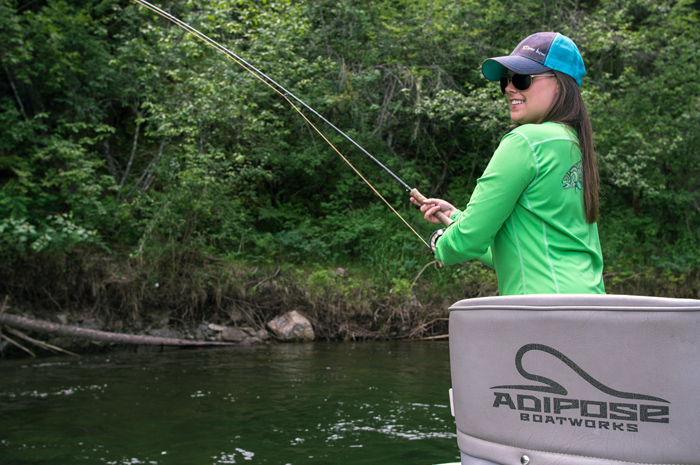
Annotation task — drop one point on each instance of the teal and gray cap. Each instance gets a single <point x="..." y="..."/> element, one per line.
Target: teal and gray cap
<point x="538" y="53"/>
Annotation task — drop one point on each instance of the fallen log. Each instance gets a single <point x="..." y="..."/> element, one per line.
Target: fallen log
<point x="46" y="327"/>
<point x="36" y="342"/>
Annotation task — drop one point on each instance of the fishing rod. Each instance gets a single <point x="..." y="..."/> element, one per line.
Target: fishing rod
<point x="286" y="94"/>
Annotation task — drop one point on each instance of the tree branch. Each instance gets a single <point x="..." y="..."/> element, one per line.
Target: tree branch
<point x="42" y="344"/>
<point x="16" y="94"/>
<point x="133" y="151"/>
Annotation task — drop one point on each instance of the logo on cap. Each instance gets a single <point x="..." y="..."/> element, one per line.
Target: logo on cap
<point x="534" y="50"/>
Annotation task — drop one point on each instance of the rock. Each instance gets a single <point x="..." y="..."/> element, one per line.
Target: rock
<point x="242" y="335"/>
<point x="214" y="327"/>
<point x="262" y="334"/>
<point x="292" y="326"/>
<point x="234" y="335"/>
<point x="202" y="333"/>
<point x="340" y="272"/>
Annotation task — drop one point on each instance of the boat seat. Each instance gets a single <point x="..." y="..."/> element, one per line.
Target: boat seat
<point x="576" y="379"/>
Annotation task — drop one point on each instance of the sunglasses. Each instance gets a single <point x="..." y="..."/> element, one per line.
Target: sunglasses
<point x="520" y="81"/>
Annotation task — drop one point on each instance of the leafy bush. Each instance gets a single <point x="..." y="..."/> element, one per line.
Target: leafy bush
<point x="121" y="131"/>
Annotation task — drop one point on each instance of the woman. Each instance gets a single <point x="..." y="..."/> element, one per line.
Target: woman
<point x="533" y="213"/>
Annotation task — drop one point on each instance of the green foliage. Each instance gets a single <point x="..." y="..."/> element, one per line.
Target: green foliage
<point x="645" y="113"/>
<point x="118" y="128"/>
<point x="56" y="234"/>
<point x="402" y="288"/>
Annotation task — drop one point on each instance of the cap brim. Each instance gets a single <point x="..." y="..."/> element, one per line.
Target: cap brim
<point x="496" y="68"/>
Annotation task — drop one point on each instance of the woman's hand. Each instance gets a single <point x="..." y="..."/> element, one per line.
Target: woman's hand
<point x="432" y="206"/>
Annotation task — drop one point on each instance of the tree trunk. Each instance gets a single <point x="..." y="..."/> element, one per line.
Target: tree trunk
<point x="29" y="324"/>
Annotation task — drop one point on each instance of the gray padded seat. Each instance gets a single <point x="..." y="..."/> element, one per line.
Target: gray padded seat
<point x="576" y="379"/>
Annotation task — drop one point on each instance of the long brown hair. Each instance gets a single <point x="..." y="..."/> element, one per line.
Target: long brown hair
<point x="568" y="109"/>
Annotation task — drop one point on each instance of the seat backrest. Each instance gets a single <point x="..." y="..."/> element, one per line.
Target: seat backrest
<point x="576" y="379"/>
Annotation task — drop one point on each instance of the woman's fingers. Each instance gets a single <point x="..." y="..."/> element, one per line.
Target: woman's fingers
<point x="427" y="204"/>
<point x="430" y="211"/>
<point x="430" y="207"/>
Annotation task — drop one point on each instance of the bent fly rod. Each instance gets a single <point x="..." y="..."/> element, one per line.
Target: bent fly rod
<point x="287" y="95"/>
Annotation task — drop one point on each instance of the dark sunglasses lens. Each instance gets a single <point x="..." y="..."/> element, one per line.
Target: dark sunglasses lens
<point x="520" y="82"/>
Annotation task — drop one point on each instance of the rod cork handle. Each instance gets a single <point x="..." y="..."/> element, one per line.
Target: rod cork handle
<point x="444" y="219"/>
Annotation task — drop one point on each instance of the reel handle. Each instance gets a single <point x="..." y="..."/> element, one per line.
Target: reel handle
<point x="444" y="219"/>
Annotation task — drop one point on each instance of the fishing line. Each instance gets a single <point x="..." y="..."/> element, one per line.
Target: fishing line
<point x="287" y="95"/>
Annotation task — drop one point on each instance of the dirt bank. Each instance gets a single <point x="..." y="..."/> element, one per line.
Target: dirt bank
<point x="120" y="294"/>
<point x="123" y="295"/>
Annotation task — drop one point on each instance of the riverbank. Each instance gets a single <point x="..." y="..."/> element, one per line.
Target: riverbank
<point x="196" y="297"/>
<point x="200" y="296"/>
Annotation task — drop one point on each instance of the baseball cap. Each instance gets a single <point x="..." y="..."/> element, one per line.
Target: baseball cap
<point x="538" y="53"/>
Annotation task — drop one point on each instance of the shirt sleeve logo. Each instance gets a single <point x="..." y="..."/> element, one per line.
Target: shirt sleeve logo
<point x="573" y="179"/>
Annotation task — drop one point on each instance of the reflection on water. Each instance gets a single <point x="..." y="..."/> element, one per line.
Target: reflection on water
<point x="319" y="403"/>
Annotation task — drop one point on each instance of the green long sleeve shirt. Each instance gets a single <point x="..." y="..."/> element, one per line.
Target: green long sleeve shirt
<point x="526" y="217"/>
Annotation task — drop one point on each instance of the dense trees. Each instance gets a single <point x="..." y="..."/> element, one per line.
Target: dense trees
<point x="121" y="134"/>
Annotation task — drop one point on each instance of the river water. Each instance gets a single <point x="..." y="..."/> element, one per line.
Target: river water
<point x="318" y="403"/>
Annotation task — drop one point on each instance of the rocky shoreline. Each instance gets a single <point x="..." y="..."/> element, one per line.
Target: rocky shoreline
<point x="66" y="338"/>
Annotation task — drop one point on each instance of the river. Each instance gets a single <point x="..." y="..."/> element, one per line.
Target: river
<point x="317" y="403"/>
